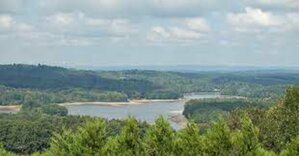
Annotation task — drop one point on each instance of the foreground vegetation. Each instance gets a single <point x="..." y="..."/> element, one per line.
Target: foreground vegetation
<point x="277" y="132"/>
<point x="250" y="131"/>
<point x="28" y="132"/>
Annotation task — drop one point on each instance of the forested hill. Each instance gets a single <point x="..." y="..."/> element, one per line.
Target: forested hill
<point x="48" y="77"/>
<point x="148" y="84"/>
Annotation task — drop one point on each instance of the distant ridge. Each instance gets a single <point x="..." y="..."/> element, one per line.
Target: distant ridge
<point x="192" y="68"/>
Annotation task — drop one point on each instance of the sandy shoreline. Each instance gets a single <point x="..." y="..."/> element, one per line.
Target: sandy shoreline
<point x="10" y="108"/>
<point x="130" y="102"/>
<point x="178" y="118"/>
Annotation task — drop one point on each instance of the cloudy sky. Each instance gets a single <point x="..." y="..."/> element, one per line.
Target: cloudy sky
<point x="150" y="32"/>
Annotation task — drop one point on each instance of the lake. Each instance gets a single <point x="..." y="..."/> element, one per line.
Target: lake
<point x="145" y="112"/>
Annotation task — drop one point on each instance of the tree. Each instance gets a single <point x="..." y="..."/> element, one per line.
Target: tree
<point x="159" y="138"/>
<point x="89" y="140"/>
<point x="245" y="141"/>
<point x="54" y="109"/>
<point x="281" y="123"/>
<point x="189" y="141"/>
<point x="218" y="139"/>
<point x="128" y="142"/>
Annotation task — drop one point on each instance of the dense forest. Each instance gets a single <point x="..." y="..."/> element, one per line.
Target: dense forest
<point x="262" y="120"/>
<point x="29" y="132"/>
<point x="206" y="110"/>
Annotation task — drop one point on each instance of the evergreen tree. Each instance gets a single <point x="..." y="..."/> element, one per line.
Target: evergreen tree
<point x="128" y="142"/>
<point x="88" y="140"/>
<point x="218" y="139"/>
<point x="245" y="141"/>
<point x="159" y="139"/>
<point x="189" y="141"/>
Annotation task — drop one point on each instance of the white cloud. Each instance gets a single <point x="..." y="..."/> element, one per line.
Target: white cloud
<point x="172" y="34"/>
<point x="97" y="22"/>
<point x="254" y="17"/>
<point x="256" y="20"/>
<point x="23" y="27"/>
<point x="79" y="22"/>
<point x="6" y="21"/>
<point x="62" y="20"/>
<point x="181" y="34"/>
<point x="122" y="26"/>
<point x="181" y="30"/>
<point x="198" y="24"/>
<point x="9" y="23"/>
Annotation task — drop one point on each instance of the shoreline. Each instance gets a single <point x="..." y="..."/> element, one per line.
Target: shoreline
<point x="178" y="118"/>
<point x="130" y="102"/>
<point x="140" y="101"/>
<point x="10" y="108"/>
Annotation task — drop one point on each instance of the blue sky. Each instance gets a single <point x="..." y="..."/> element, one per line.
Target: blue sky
<point x="150" y="32"/>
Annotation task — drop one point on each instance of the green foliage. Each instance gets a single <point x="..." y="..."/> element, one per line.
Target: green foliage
<point x="47" y="77"/>
<point x="189" y="141"/>
<point x="162" y="95"/>
<point x="245" y="141"/>
<point x="54" y="110"/>
<point x="89" y="139"/>
<point x="256" y="115"/>
<point x="268" y="129"/>
<point x="281" y="123"/>
<point x="128" y="142"/>
<point x="248" y="131"/>
<point x="56" y="84"/>
<point x="206" y="110"/>
<point x="290" y="112"/>
<point x="34" y="98"/>
<point x="28" y="132"/>
<point x="4" y="152"/>
<point x="94" y="138"/>
<point x="217" y="140"/>
<point x="253" y="90"/>
<point x="291" y="149"/>
<point x="160" y="138"/>
<point x="262" y="136"/>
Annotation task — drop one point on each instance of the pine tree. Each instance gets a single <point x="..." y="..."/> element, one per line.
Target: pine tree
<point x="218" y="139"/>
<point x="245" y="141"/>
<point x="159" y="139"/>
<point x="87" y="140"/>
<point x="189" y="142"/>
<point x="128" y="142"/>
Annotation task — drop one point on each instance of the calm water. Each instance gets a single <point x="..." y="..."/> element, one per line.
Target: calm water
<point x="145" y="112"/>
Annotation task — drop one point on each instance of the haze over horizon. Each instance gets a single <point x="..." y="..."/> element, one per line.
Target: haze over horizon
<point x="104" y="33"/>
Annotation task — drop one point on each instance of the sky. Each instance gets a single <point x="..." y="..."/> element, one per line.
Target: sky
<point x="150" y="32"/>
